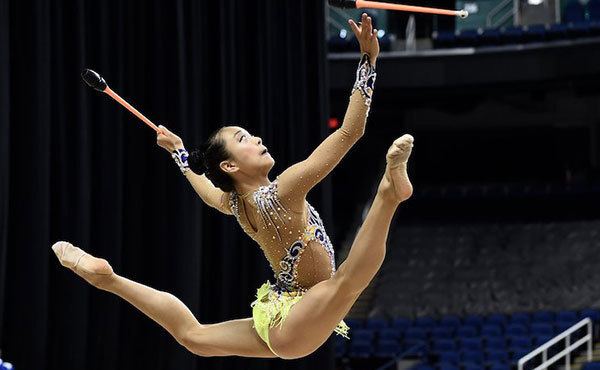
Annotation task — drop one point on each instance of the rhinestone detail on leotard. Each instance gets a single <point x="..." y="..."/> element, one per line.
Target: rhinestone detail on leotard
<point x="272" y="213"/>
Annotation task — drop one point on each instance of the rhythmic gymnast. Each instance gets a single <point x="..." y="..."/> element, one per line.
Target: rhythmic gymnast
<point x="294" y="316"/>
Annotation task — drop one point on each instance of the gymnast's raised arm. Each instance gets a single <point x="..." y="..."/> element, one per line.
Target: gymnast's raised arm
<point x="297" y="180"/>
<point x="207" y="191"/>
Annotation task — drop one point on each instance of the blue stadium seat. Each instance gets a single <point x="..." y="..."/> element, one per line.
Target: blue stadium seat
<point x="466" y="331"/>
<point x="491" y="330"/>
<point x="472" y="357"/>
<point x="401" y="324"/>
<point x="563" y="325"/>
<point x="363" y="335"/>
<point x="415" y="348"/>
<point x="499" y="366"/>
<point x="578" y="29"/>
<point x="422" y="366"/>
<point x="538" y="340"/>
<point x="472" y="344"/>
<point x="469" y="366"/>
<point x="516" y="329"/>
<point x="451" y="366"/>
<point x="449" y="357"/>
<point x="544" y="316"/>
<point x="450" y="321"/>
<point x="442" y="332"/>
<point x="354" y="323"/>
<point x="376" y="324"/>
<point x="496" y="319"/>
<point x="414" y="333"/>
<point x="535" y="33"/>
<point x="474" y="320"/>
<point x="425" y="322"/>
<point x="489" y="37"/>
<point x="468" y="37"/>
<point x="360" y="349"/>
<point x="567" y="316"/>
<point x="574" y="12"/>
<point x="592" y="314"/>
<point x="444" y="345"/>
<point x="495" y="344"/>
<point x="542" y="329"/>
<point x="389" y="334"/>
<point x="520" y="343"/>
<point x="444" y="39"/>
<point x="517" y="355"/>
<point x="387" y="348"/>
<point x="520" y="318"/>
<point x="557" y="32"/>
<point x="512" y="35"/>
<point x="497" y="356"/>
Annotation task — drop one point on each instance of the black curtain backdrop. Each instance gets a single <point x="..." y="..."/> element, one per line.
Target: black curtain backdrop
<point x="76" y="166"/>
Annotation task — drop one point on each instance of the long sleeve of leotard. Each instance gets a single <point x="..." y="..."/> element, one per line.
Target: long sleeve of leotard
<point x="209" y="193"/>
<point x="297" y="180"/>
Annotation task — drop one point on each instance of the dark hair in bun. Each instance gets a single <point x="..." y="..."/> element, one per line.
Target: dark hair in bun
<point x="207" y="160"/>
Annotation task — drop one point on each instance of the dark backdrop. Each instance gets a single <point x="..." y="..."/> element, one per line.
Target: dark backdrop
<point x="76" y="166"/>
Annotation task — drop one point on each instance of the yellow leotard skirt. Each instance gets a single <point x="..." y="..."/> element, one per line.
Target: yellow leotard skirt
<point x="271" y="308"/>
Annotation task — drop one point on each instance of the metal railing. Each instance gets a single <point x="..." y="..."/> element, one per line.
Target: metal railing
<point x="566" y="353"/>
<point x="411" y="351"/>
<point x="496" y="10"/>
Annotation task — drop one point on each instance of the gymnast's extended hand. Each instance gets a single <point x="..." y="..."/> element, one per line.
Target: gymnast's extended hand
<point x="296" y="181"/>
<point x="366" y="36"/>
<point x="208" y="192"/>
<point x="168" y="140"/>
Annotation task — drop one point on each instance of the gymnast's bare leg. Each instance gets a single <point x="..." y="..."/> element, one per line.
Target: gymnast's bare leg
<point x="236" y="337"/>
<point x="312" y="320"/>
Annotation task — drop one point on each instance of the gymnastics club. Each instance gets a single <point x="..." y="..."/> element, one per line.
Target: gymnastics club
<point x="358" y="4"/>
<point x="95" y="81"/>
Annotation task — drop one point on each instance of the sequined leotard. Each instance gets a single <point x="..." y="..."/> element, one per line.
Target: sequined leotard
<point x="308" y="255"/>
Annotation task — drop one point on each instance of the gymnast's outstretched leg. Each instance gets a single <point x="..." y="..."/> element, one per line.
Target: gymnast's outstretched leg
<point x="313" y="318"/>
<point x="230" y="338"/>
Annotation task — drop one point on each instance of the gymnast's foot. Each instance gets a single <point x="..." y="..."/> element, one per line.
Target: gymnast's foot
<point x="395" y="185"/>
<point x="95" y="271"/>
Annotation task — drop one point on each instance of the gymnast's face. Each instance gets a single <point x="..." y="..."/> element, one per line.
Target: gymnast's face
<point x="248" y="154"/>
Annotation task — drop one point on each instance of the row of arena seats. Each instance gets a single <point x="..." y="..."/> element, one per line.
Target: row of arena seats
<point x="489" y="267"/>
<point x="491" y="190"/>
<point x="493" y="341"/>
<point x="479" y="322"/>
<point x="514" y="34"/>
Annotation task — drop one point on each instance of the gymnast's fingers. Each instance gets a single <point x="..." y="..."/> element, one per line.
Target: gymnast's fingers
<point x="164" y="130"/>
<point x="368" y="28"/>
<point x="363" y="24"/>
<point x="354" y="27"/>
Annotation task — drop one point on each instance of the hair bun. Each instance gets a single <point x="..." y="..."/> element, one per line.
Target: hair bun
<point x="197" y="162"/>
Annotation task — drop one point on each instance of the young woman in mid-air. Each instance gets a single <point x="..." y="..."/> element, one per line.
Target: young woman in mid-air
<point x="295" y="315"/>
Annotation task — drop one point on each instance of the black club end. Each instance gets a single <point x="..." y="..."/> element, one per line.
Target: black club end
<point x="94" y="80"/>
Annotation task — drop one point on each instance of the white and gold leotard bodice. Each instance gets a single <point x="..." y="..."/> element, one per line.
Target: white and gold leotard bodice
<point x="295" y="243"/>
